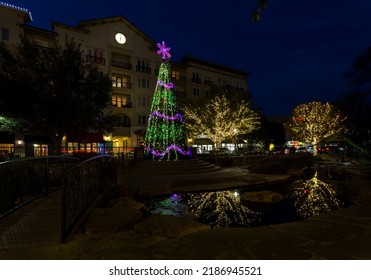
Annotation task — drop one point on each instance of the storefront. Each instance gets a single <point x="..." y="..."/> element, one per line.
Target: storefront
<point x="83" y="144"/>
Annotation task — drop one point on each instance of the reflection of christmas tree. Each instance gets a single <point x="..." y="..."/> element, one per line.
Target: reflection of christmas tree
<point x="165" y="136"/>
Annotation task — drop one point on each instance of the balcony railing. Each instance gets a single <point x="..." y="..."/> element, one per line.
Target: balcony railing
<point x="196" y="80"/>
<point x="143" y="69"/>
<point x="180" y="94"/>
<point x="95" y="59"/>
<point x="178" y="78"/>
<point x="120" y="64"/>
<point x="208" y="83"/>
<point x="128" y="104"/>
<point x="125" y="85"/>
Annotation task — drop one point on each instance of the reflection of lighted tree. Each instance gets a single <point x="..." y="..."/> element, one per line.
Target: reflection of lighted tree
<point x="220" y="209"/>
<point x="313" y="197"/>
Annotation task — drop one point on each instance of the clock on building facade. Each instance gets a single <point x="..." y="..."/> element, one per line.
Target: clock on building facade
<point x="120" y="38"/>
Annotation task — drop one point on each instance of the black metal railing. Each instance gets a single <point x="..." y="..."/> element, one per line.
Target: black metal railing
<point x="83" y="187"/>
<point x="95" y="59"/>
<point x="121" y="64"/>
<point x="196" y="80"/>
<point x="24" y="180"/>
<point x="143" y="69"/>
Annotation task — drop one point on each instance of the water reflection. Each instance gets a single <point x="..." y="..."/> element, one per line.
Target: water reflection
<point x="220" y="209"/>
<point x="217" y="209"/>
<point x="313" y="197"/>
<point x="304" y="198"/>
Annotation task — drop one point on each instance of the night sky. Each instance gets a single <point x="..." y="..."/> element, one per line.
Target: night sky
<point x="297" y="53"/>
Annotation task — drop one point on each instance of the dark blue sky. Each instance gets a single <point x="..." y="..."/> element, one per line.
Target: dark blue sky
<point x="297" y="53"/>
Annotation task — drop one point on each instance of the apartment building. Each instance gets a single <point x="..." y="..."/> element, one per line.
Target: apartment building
<point x="129" y="56"/>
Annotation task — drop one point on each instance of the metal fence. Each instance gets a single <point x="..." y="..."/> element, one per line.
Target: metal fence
<point x="24" y="180"/>
<point x="83" y="187"/>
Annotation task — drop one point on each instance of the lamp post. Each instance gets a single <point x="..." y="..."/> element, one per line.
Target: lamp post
<point x="235" y="141"/>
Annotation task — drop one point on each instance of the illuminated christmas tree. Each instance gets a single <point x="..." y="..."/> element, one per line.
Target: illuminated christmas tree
<point x="165" y="138"/>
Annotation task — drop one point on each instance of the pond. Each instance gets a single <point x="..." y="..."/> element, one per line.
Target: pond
<point x="230" y="208"/>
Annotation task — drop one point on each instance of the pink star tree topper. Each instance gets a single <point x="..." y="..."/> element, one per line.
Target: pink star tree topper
<point x="163" y="50"/>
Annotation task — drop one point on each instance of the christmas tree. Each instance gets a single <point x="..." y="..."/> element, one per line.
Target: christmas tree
<point x="165" y="138"/>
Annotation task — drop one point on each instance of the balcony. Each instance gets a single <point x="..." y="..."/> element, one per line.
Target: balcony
<point x="229" y="87"/>
<point x="124" y="85"/>
<point x="120" y="64"/>
<point x="127" y="104"/>
<point x="240" y="89"/>
<point x="180" y="94"/>
<point x="143" y="69"/>
<point x="196" y="80"/>
<point x="208" y="83"/>
<point x="178" y="78"/>
<point x="95" y="59"/>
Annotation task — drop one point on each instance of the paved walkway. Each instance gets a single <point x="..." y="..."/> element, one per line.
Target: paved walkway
<point x="37" y="223"/>
<point x="344" y="234"/>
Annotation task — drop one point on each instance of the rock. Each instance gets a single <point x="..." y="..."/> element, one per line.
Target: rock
<point x="121" y="216"/>
<point x="169" y="226"/>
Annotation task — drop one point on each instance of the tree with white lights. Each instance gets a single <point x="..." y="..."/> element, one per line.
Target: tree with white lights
<point x="314" y="121"/>
<point x="220" y="118"/>
<point x="165" y="137"/>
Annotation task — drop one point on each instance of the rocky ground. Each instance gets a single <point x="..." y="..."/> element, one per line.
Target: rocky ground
<point x="123" y="229"/>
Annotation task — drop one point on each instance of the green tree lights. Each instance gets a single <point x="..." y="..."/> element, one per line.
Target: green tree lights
<point x="165" y="138"/>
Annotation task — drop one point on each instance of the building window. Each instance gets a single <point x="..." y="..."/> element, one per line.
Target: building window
<point x="196" y="78"/>
<point x="196" y="92"/>
<point x="175" y="75"/>
<point x="4" y="34"/>
<point x="122" y="101"/>
<point x="123" y="121"/>
<point x="143" y="101"/>
<point x="121" y="82"/>
<point x="142" y="119"/>
<point x="143" y="66"/>
<point x="95" y="56"/>
<point x="143" y="83"/>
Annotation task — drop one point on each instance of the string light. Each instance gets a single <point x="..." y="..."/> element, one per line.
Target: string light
<point x="169" y="118"/>
<point x="13" y="6"/>
<point x="169" y="85"/>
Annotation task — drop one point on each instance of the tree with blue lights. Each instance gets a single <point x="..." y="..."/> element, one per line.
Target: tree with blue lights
<point x="165" y="137"/>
